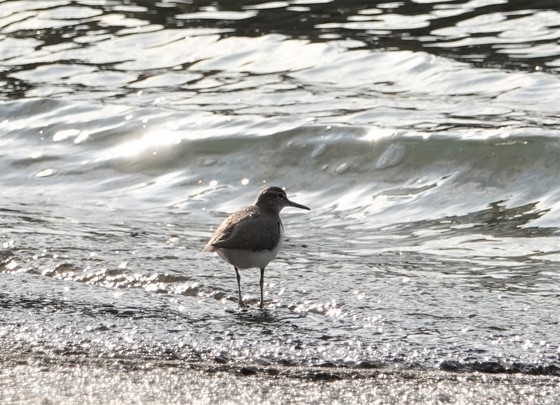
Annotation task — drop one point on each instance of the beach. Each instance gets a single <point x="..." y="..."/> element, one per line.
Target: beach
<point x="75" y="380"/>
<point x="423" y="135"/>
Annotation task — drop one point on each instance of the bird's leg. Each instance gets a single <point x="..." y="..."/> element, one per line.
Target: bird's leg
<point x="240" y="301"/>
<point x="261" y="283"/>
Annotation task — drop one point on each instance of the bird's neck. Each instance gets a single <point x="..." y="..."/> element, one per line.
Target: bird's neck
<point x="269" y="209"/>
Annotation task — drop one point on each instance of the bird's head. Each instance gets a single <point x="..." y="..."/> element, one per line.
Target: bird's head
<point x="275" y="199"/>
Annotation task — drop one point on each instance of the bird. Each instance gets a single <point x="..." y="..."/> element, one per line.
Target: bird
<point x="252" y="236"/>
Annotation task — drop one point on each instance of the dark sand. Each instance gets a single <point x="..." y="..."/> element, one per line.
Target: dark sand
<point x="47" y="379"/>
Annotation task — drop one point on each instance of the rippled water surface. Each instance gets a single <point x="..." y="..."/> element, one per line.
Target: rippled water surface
<point x="424" y="135"/>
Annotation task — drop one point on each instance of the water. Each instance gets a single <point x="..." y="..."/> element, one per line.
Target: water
<point x="425" y="136"/>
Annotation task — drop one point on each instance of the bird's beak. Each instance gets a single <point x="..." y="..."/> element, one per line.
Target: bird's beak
<point x="294" y="204"/>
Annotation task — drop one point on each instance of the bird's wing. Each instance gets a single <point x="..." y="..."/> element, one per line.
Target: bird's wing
<point x="246" y="229"/>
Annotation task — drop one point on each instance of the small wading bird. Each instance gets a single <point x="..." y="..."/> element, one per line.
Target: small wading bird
<point x="251" y="237"/>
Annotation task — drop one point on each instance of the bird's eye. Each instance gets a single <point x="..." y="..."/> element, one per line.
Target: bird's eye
<point x="281" y="195"/>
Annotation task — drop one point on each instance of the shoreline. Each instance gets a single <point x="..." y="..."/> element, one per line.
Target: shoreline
<point x="50" y="379"/>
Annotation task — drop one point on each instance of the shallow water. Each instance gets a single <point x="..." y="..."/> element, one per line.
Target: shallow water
<point x="424" y="136"/>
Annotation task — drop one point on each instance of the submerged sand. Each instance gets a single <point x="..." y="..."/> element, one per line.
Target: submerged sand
<point x="48" y="379"/>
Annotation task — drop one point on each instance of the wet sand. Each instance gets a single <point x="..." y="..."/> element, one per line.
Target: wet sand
<point x="47" y="379"/>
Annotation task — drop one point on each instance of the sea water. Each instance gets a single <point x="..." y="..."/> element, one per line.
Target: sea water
<point x="425" y="137"/>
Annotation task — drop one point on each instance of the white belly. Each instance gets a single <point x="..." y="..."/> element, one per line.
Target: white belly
<point x="245" y="259"/>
